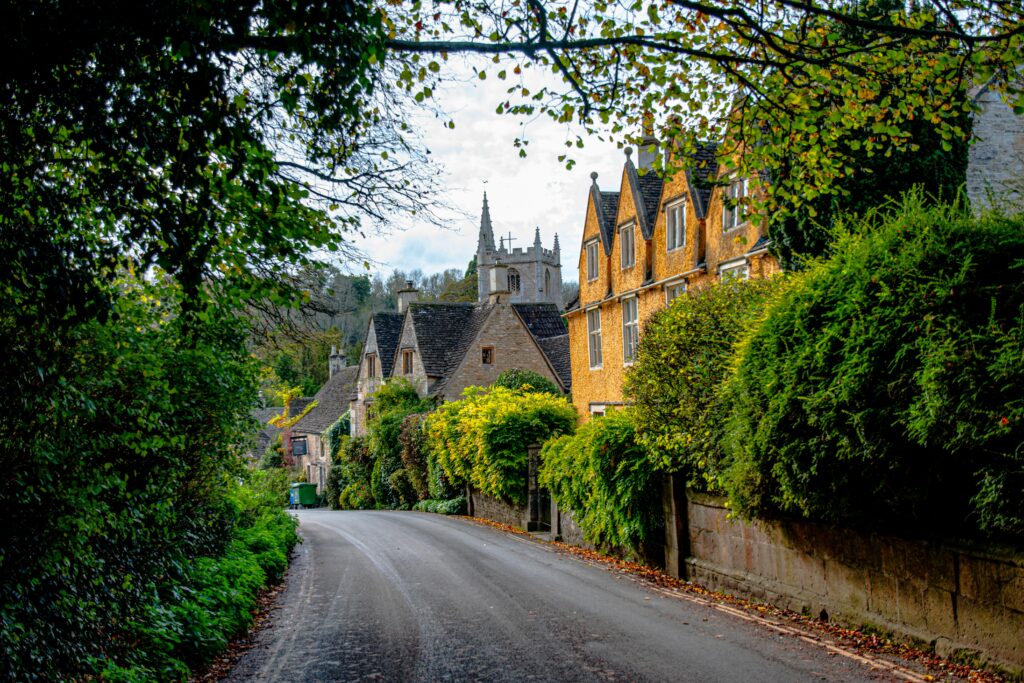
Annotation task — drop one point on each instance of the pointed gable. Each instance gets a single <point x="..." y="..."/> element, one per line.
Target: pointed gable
<point x="387" y="328"/>
<point x="701" y="176"/>
<point x="606" y="208"/>
<point x="646" y="192"/>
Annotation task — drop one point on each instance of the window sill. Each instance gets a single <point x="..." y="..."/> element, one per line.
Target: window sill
<point x="597" y="367"/>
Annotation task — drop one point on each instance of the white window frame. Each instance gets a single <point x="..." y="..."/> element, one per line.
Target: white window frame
<point x="674" y="290"/>
<point x="630" y="329"/>
<point x="593" y="264"/>
<point x="734" y="193"/>
<point x="594" y="338"/>
<point x="627" y="235"/>
<point x="737" y="269"/>
<point x="675" y="225"/>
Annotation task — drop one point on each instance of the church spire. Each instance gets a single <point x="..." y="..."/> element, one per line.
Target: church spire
<point x="486" y="240"/>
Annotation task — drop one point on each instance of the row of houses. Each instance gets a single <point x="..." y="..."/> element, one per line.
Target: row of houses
<point x="646" y="240"/>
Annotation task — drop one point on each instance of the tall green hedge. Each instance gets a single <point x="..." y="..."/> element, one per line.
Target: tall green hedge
<point x="483" y="438"/>
<point x="395" y="400"/>
<point x="682" y="363"/>
<point x="886" y="386"/>
<point x="604" y="476"/>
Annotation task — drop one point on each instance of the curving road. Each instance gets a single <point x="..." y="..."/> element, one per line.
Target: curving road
<point x="405" y="596"/>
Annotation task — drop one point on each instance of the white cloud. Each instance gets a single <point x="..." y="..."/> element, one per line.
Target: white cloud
<point x="523" y="193"/>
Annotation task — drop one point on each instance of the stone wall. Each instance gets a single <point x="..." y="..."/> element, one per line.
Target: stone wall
<point x="487" y="507"/>
<point x="565" y="529"/>
<point x="996" y="159"/>
<point x="950" y="597"/>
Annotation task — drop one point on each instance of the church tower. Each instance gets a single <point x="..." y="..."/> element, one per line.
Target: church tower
<point x="534" y="273"/>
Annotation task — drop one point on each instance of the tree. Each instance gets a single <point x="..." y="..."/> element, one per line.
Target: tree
<point x="787" y="85"/>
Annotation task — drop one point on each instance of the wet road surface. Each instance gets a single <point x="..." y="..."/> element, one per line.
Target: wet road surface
<point x="406" y="596"/>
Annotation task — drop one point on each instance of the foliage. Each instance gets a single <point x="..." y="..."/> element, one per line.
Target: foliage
<point x="350" y="475"/>
<point x="190" y="618"/>
<point x="604" y="476"/>
<point x="414" y="455"/>
<point x="883" y="387"/>
<point x="395" y="400"/>
<point x="526" y="380"/>
<point x="482" y="438"/>
<point x="452" y="506"/>
<point x="274" y="457"/>
<point x="286" y="419"/>
<point x="682" y="363"/>
<point x="336" y="435"/>
<point x="790" y="87"/>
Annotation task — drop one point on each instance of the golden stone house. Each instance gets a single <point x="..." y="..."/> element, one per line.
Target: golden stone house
<point x="643" y="245"/>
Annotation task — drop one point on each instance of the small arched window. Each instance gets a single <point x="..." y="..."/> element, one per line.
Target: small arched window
<point x="513" y="280"/>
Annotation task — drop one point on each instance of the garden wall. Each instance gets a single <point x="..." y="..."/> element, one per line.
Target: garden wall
<point x="954" y="598"/>
<point x="488" y="507"/>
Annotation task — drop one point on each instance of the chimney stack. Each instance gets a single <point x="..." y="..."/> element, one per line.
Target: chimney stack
<point x="335" y="362"/>
<point x="648" y="151"/>
<point x="407" y="296"/>
<point x="499" y="283"/>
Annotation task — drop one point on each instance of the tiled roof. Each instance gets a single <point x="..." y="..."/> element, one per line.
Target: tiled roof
<point x="650" y="190"/>
<point x="439" y="331"/>
<point x="701" y="177"/>
<point x="542" y="320"/>
<point x="388" y="329"/>
<point x="331" y="402"/>
<point x="444" y="333"/>
<point x="607" y="212"/>
<point x="557" y="351"/>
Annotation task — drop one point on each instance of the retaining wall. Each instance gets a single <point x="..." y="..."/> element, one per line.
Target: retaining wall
<point x="953" y="598"/>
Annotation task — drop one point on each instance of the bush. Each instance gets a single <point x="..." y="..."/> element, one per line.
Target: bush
<point x="526" y="380"/>
<point x="604" y="476"/>
<point x="414" y="454"/>
<point x="454" y="506"/>
<point x="482" y="438"/>
<point x="884" y="386"/>
<point x="682" y="362"/>
<point x="392" y="403"/>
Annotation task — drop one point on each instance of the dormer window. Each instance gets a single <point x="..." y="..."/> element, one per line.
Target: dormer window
<point x="371" y="365"/>
<point x="593" y="267"/>
<point x="734" y="204"/>
<point x="675" y="225"/>
<point x="627" y="247"/>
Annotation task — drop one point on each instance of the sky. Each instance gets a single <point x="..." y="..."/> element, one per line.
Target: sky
<point x="523" y="193"/>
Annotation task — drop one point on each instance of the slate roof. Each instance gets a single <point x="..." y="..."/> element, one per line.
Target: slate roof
<point x="331" y="402"/>
<point x="439" y="331"/>
<point x="701" y="177"/>
<point x="607" y="212"/>
<point x="545" y="324"/>
<point x="388" y="329"/>
<point x="542" y="320"/>
<point x="557" y="351"/>
<point x="650" y="190"/>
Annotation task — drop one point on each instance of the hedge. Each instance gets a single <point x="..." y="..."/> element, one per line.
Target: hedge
<point x="604" y="476"/>
<point x="885" y="387"/>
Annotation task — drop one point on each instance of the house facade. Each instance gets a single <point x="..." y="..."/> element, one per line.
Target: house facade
<point x="644" y="245"/>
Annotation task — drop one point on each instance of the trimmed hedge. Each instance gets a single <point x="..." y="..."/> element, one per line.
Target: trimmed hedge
<point x="886" y="386"/>
<point x="526" y="380"/>
<point x="454" y="506"/>
<point x="604" y="476"/>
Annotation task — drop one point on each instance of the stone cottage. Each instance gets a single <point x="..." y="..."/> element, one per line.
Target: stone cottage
<point x="308" y="445"/>
<point x="442" y="348"/>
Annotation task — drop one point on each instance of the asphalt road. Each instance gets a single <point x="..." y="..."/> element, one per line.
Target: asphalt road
<point x="405" y="596"/>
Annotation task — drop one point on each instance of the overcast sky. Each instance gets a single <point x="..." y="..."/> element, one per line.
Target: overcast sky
<point x="478" y="154"/>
